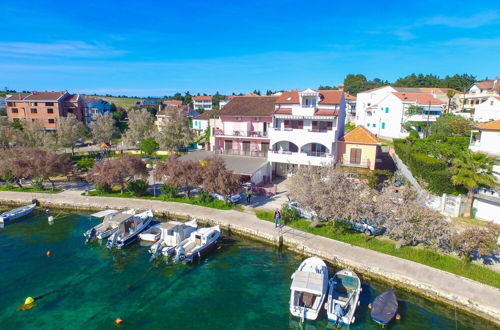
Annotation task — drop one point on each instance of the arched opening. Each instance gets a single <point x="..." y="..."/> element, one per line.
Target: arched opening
<point x="285" y="147"/>
<point x="315" y="149"/>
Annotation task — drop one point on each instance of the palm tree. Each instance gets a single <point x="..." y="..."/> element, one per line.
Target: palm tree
<point x="473" y="170"/>
<point x="450" y="95"/>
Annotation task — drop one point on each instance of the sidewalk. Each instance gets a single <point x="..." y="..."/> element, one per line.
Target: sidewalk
<point x="465" y="294"/>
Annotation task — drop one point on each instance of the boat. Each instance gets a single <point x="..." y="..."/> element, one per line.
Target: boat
<point x="197" y="245"/>
<point x="109" y="225"/>
<point x="343" y="297"/>
<point x="308" y="289"/>
<point x="152" y="234"/>
<point x="128" y="231"/>
<point x="171" y="234"/>
<point x="18" y="212"/>
<point x="384" y="307"/>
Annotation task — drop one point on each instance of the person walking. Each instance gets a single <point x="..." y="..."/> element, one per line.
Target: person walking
<point x="277" y="218"/>
<point x="249" y="195"/>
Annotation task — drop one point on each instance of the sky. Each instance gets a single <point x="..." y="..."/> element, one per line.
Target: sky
<point x="156" y="48"/>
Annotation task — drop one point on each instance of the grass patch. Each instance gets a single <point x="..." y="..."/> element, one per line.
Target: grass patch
<point x="124" y="102"/>
<point x="425" y="256"/>
<point x="29" y="189"/>
<point x="214" y="204"/>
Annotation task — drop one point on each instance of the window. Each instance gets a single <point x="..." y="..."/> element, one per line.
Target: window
<point x="257" y="118"/>
<point x="50" y="110"/>
<point x="383" y="125"/>
<point x="369" y="104"/>
<point x="246" y="145"/>
<point x="14" y="110"/>
<point x="386" y="109"/>
<point x="368" y="125"/>
<point x="238" y="118"/>
<point x="355" y="156"/>
<point x="52" y="121"/>
<point x="49" y="104"/>
<point x="374" y="125"/>
<point x="33" y="110"/>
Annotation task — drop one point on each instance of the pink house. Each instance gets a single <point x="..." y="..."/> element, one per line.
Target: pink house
<point x="243" y="126"/>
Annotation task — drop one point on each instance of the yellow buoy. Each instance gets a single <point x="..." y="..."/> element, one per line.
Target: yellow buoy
<point x="118" y="321"/>
<point x="29" y="301"/>
<point x="49" y="253"/>
<point x="398" y="317"/>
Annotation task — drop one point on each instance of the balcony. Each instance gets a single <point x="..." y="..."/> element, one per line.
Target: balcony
<point x="302" y="136"/>
<point x="242" y="153"/>
<point x="300" y="158"/>
<point x="243" y="134"/>
<point x="355" y="163"/>
<point x="422" y="117"/>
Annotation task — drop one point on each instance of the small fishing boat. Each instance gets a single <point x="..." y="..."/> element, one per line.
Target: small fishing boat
<point x="152" y="234"/>
<point x="18" y="212"/>
<point x="197" y="245"/>
<point x="128" y="231"/>
<point x="384" y="307"/>
<point x="171" y="234"/>
<point x="308" y="289"/>
<point x="109" y="225"/>
<point x="343" y="297"/>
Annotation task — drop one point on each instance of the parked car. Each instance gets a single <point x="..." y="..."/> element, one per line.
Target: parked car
<point x="363" y="226"/>
<point x="236" y="198"/>
<point x="310" y="215"/>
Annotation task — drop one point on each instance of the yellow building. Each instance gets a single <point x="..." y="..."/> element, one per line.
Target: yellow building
<point x="359" y="148"/>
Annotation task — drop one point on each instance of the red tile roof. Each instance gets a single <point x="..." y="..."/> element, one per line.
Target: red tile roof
<point x="15" y="97"/>
<point x="284" y="111"/>
<point x="419" y="98"/>
<point x="326" y="112"/>
<point x="172" y="102"/>
<point x="349" y="96"/>
<point x="360" y="135"/>
<point x="491" y="126"/>
<point x="202" y="98"/>
<point x="489" y="84"/>
<point x="249" y="106"/>
<point x="207" y="115"/>
<point x="327" y="97"/>
<point x="44" y="96"/>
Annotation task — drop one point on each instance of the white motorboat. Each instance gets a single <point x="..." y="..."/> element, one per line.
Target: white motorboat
<point x="171" y="234"/>
<point x="18" y="212"/>
<point x="343" y="297"/>
<point x="308" y="289"/>
<point x="110" y="223"/>
<point x="128" y="231"/>
<point x="198" y="244"/>
<point x="152" y="234"/>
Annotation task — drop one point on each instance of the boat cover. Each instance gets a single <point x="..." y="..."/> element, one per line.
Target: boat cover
<point x="384" y="307"/>
<point x="104" y="213"/>
<point x="308" y="282"/>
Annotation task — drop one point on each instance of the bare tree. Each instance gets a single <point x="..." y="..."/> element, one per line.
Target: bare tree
<point x="176" y="172"/>
<point x="217" y="178"/>
<point x="103" y="128"/>
<point x="176" y="132"/>
<point x="70" y="130"/>
<point x="140" y="126"/>
<point x="476" y="241"/>
<point x="118" y="171"/>
<point x="7" y="134"/>
<point x="33" y="134"/>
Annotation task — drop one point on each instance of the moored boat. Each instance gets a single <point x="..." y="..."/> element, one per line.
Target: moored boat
<point x="18" y="212"/>
<point x="128" y="231"/>
<point x="308" y="289"/>
<point x="384" y="307"/>
<point x="197" y="245"/>
<point x="109" y="225"/>
<point x="171" y="234"/>
<point x="152" y="234"/>
<point x="343" y="297"/>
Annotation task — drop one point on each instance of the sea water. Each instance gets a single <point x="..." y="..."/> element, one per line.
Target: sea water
<point x="242" y="285"/>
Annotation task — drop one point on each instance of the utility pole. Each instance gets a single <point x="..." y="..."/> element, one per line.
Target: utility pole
<point x="427" y="124"/>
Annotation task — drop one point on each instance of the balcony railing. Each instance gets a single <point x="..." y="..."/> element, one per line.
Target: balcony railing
<point x="242" y="153"/>
<point x="310" y="153"/>
<point x="363" y="164"/>
<point x="254" y="134"/>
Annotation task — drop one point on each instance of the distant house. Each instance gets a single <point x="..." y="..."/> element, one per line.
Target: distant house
<point x="166" y="111"/>
<point x="201" y="122"/>
<point x="226" y="100"/>
<point x="172" y="103"/>
<point x="488" y="110"/>
<point x="46" y="107"/>
<point x="479" y="93"/>
<point x="146" y="102"/>
<point x="202" y="102"/>
<point x="359" y="148"/>
<point x="95" y="106"/>
<point x="3" y="103"/>
<point x="350" y="105"/>
<point x="486" y="138"/>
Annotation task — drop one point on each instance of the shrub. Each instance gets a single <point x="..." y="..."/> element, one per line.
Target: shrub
<point x="37" y="184"/>
<point x="85" y="163"/>
<point x="205" y="197"/>
<point x="169" y="191"/>
<point x="104" y="189"/>
<point x="289" y="214"/>
<point x="138" y="187"/>
<point x="414" y="134"/>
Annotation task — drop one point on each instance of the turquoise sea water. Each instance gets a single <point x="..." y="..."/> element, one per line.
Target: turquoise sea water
<point x="242" y="285"/>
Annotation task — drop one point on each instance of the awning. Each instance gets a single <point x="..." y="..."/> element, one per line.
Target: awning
<point x="104" y="213"/>
<point x="308" y="282"/>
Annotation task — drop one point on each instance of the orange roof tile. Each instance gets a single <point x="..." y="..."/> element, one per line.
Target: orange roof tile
<point x="491" y="126"/>
<point x="203" y="98"/>
<point x="419" y="98"/>
<point x="327" y="97"/>
<point x="360" y="135"/>
<point x="44" y="96"/>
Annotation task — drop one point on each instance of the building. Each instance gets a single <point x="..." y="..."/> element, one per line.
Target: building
<point x="350" y="104"/>
<point x="172" y="103"/>
<point x="226" y="100"/>
<point x="392" y="111"/>
<point x="488" y="110"/>
<point x="306" y="128"/>
<point x="146" y="103"/>
<point x="95" y="106"/>
<point x="202" y="102"/>
<point x="46" y="107"/>
<point x="201" y="122"/>
<point x="359" y="148"/>
<point x="486" y="139"/>
<point x="479" y="93"/>
<point x="3" y="103"/>
<point x="244" y="126"/>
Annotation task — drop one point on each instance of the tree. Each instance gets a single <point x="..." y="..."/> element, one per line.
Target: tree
<point x="117" y="171"/>
<point x="103" y="128"/>
<point x="472" y="170"/>
<point x="149" y="147"/>
<point x="175" y="172"/>
<point x="480" y="241"/>
<point x="218" y="179"/>
<point x="188" y="99"/>
<point x="33" y="134"/>
<point x="70" y="130"/>
<point x="140" y="126"/>
<point x="8" y="135"/>
<point x="16" y="124"/>
<point x="450" y="95"/>
<point x="176" y="132"/>
<point x="451" y="125"/>
<point x="216" y="98"/>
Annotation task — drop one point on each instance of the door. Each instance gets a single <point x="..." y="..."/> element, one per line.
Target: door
<point x="228" y="145"/>
<point x="355" y="156"/>
<point x="246" y="145"/>
<point x="264" y="147"/>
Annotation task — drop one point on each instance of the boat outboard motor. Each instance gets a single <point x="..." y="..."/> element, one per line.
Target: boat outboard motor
<point x="112" y="241"/>
<point x="90" y="234"/>
<point x="35" y="201"/>
<point x="179" y="254"/>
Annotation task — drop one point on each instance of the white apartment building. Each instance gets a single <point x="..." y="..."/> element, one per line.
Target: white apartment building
<point x="486" y="139"/>
<point x="202" y="102"/>
<point x="306" y="128"/>
<point x="385" y="110"/>
<point x="488" y="110"/>
<point x="479" y="93"/>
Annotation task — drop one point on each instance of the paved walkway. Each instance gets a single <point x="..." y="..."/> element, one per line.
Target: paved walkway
<point x="463" y="293"/>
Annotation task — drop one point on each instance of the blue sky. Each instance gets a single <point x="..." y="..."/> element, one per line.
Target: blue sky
<point x="162" y="47"/>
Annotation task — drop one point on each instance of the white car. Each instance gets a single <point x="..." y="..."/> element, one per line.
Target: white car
<point x="236" y="198"/>
<point x="302" y="213"/>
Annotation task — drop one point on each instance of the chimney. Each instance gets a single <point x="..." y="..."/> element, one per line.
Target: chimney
<point x="341" y="87"/>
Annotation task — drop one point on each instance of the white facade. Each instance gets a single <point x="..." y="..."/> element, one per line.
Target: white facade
<point x="488" y="141"/>
<point x="200" y="124"/>
<point x="305" y="135"/>
<point x="94" y="107"/>
<point x="205" y="104"/>
<point x="488" y="110"/>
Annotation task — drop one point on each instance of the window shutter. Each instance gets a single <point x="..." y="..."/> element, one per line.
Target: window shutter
<point x="287" y="124"/>
<point x="329" y="125"/>
<point x="301" y="124"/>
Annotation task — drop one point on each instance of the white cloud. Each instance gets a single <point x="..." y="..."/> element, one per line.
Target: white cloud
<point x="70" y="48"/>
<point x="469" y="22"/>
